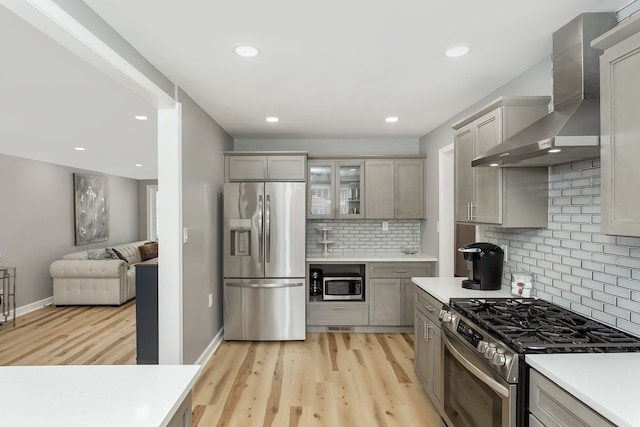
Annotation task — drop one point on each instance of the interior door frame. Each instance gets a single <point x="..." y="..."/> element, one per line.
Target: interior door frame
<point x="446" y="219"/>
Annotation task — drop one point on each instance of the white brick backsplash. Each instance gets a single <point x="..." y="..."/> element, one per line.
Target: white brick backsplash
<point x="573" y="264"/>
<point x="349" y="236"/>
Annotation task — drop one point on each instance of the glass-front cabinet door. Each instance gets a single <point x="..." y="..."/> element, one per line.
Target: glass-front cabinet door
<point x="321" y="189"/>
<point x="335" y="189"/>
<point x="349" y="195"/>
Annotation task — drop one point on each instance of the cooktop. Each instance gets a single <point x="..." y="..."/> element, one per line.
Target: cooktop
<point x="531" y="325"/>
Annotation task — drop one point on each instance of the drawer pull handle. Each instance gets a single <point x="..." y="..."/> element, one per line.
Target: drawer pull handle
<point x="337" y="308"/>
<point x="428" y="307"/>
<point x="401" y="271"/>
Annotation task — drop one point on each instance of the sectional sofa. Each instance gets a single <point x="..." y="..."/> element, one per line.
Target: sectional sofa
<point x="98" y="276"/>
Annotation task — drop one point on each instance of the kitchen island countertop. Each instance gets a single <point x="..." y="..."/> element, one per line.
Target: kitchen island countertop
<point x="606" y="382"/>
<point x="129" y="395"/>
<point x="371" y="257"/>
<point x="445" y="288"/>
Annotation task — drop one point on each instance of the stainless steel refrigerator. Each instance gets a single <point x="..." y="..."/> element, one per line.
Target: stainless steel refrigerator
<point x="264" y="261"/>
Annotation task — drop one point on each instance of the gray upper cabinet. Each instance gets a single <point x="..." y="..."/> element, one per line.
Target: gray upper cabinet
<point x="335" y="189"/>
<point x="510" y="197"/>
<point x="394" y="188"/>
<point x="240" y="166"/>
<point x="620" y="128"/>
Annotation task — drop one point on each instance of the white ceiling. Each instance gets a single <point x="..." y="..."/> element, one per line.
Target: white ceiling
<point x="327" y="69"/>
<point x="53" y="101"/>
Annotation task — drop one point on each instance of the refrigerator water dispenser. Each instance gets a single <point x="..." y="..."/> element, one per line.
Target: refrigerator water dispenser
<point x="240" y="238"/>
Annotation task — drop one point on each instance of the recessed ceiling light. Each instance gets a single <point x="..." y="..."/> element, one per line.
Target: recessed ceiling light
<point x="140" y="117"/>
<point x="246" y="51"/>
<point x="494" y="164"/>
<point x="79" y="148"/>
<point x="391" y="119"/>
<point x="272" y="119"/>
<point x="139" y="165"/>
<point x="455" y="51"/>
<point x="554" y="150"/>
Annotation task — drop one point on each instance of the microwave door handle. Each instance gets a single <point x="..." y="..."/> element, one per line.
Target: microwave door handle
<point x="486" y="379"/>
<point x="260" y="231"/>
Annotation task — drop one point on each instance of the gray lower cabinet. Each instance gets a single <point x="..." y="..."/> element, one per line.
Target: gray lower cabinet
<point x="391" y="292"/>
<point x="337" y="314"/>
<point x="620" y="127"/>
<point x="428" y="345"/>
<point x="552" y="406"/>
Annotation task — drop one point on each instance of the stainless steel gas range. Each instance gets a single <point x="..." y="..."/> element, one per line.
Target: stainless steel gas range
<point x="485" y="378"/>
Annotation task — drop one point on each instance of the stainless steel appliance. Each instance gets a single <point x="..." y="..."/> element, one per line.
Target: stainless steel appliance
<point x="315" y="282"/>
<point x="485" y="377"/>
<point x="484" y="266"/>
<point x="264" y="261"/>
<point x="341" y="287"/>
<point x="571" y="132"/>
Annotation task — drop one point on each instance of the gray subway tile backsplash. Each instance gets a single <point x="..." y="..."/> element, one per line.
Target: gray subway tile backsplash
<point x="353" y="236"/>
<point x="573" y="264"/>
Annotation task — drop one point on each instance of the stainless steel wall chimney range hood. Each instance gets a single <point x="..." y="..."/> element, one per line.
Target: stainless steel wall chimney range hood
<point x="572" y="131"/>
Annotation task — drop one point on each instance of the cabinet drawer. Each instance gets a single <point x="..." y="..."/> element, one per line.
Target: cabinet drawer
<point x="554" y="407"/>
<point x="400" y="270"/>
<point x="428" y="305"/>
<point x="344" y="314"/>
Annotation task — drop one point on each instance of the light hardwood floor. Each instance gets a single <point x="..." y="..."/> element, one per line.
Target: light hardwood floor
<point x="343" y="379"/>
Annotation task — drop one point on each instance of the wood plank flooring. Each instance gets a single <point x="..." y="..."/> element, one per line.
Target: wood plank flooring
<point x="342" y="379"/>
<point x="73" y="335"/>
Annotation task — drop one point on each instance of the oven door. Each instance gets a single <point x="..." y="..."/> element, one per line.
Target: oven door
<point x="473" y="395"/>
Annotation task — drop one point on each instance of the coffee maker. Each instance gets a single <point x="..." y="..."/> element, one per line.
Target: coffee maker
<point x="484" y="264"/>
<point x="315" y="283"/>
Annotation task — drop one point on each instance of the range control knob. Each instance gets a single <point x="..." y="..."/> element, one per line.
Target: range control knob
<point x="490" y="351"/>
<point x="445" y="316"/>
<point x="499" y="359"/>
<point x="482" y="346"/>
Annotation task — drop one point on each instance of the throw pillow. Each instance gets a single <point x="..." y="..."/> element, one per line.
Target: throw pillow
<point x="111" y="254"/>
<point x="97" y="254"/>
<point x="148" y="251"/>
<point x="121" y="256"/>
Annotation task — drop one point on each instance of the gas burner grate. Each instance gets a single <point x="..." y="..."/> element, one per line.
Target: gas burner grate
<point x="531" y="325"/>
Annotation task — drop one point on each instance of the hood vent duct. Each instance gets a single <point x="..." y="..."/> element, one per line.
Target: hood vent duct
<point x="572" y="131"/>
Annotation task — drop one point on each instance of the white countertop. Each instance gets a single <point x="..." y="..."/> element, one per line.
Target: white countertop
<point x="372" y="257"/>
<point x="607" y="382"/>
<point x="131" y="395"/>
<point x="445" y="288"/>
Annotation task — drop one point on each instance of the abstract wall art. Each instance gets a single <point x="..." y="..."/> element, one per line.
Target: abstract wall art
<point x="91" y="208"/>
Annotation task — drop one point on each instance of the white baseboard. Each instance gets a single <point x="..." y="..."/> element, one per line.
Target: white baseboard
<point x="211" y="348"/>
<point x="33" y="306"/>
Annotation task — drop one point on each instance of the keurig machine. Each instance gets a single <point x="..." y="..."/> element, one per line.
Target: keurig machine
<point x="484" y="264"/>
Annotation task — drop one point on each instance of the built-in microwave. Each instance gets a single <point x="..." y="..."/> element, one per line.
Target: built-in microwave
<point x="339" y="287"/>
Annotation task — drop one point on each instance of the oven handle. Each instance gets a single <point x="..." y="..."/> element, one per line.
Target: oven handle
<point x="486" y="379"/>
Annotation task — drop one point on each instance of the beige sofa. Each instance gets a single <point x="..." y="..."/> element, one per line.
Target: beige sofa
<point x="94" y="277"/>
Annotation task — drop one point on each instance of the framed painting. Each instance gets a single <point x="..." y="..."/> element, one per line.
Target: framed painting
<point x="91" y="205"/>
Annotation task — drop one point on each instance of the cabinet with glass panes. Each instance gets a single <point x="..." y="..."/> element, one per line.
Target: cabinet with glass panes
<point x="335" y="189"/>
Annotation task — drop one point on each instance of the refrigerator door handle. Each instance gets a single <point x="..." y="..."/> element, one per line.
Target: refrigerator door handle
<point x="263" y="285"/>
<point x="260" y="231"/>
<point x="267" y="227"/>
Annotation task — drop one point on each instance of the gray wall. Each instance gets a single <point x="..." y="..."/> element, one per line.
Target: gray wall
<point x="203" y="142"/>
<point x="535" y="81"/>
<point x="37" y="220"/>
<point x="332" y="146"/>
